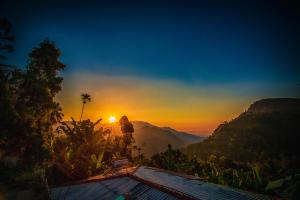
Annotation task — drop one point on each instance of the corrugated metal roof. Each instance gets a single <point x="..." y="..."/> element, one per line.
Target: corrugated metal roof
<point x="150" y="183"/>
<point x="194" y="188"/>
<point x="109" y="189"/>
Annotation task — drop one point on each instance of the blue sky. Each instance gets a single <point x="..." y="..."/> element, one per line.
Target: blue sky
<point x="192" y="42"/>
<point x="249" y="46"/>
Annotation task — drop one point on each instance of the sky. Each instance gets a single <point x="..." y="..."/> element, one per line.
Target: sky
<point x="189" y="65"/>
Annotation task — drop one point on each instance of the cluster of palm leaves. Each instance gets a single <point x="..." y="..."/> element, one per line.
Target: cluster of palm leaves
<point x="79" y="148"/>
<point x="83" y="148"/>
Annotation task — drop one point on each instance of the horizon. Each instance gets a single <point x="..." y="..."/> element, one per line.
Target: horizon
<point x="187" y="66"/>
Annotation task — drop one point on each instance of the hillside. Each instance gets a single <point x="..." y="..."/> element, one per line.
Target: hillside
<point x="153" y="139"/>
<point x="189" y="138"/>
<point x="268" y="129"/>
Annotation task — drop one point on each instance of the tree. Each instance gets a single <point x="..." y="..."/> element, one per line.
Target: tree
<point x="127" y="130"/>
<point x="6" y="106"/>
<point x="32" y="111"/>
<point x="5" y="41"/>
<point x="79" y="150"/>
<point x="84" y="98"/>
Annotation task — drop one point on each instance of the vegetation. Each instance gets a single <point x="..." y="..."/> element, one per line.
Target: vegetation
<point x="33" y="152"/>
<point x="263" y="136"/>
<point x="220" y="170"/>
<point x="78" y="151"/>
<point x="84" y="98"/>
<point x="253" y="137"/>
<point x="127" y="130"/>
<point x="6" y="39"/>
<point x="261" y="177"/>
<point x="256" y="151"/>
<point x="28" y="113"/>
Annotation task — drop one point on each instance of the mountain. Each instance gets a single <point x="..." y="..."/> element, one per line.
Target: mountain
<point x="190" y="138"/>
<point x="153" y="139"/>
<point x="268" y="129"/>
<point x="278" y="105"/>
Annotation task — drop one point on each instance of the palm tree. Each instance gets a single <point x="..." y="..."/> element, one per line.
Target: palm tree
<point x="84" y="98"/>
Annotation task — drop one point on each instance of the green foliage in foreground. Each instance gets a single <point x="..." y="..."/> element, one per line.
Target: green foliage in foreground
<point x="221" y="170"/>
<point x="78" y="150"/>
<point x="261" y="144"/>
<point x="82" y="149"/>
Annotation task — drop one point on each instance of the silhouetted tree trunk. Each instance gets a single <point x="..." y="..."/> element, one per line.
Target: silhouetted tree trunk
<point x="81" y="112"/>
<point x="84" y="98"/>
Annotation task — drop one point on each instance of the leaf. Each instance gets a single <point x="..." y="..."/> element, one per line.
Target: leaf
<point x="99" y="161"/>
<point x="256" y="173"/>
<point x="275" y="184"/>
<point x="93" y="158"/>
<point x="99" y="120"/>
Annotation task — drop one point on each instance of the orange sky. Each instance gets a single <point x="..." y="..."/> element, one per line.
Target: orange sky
<point x="161" y="102"/>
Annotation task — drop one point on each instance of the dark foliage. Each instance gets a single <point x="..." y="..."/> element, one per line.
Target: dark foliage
<point x="127" y="130"/>
<point x="78" y="152"/>
<point x="6" y="39"/>
<point x="28" y="107"/>
<point x="255" y="176"/>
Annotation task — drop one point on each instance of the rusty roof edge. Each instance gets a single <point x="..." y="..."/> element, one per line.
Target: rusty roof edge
<point x="175" y="173"/>
<point x="91" y="180"/>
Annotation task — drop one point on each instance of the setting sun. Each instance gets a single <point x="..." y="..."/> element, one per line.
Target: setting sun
<point x="112" y="119"/>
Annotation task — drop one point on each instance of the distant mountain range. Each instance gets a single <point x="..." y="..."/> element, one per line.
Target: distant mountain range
<point x="153" y="139"/>
<point x="268" y="129"/>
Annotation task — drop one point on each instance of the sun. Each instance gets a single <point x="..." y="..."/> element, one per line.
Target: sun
<point x="112" y="119"/>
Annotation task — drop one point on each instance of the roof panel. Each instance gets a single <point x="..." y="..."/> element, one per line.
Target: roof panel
<point x="192" y="187"/>
<point x="150" y="183"/>
<point x="109" y="189"/>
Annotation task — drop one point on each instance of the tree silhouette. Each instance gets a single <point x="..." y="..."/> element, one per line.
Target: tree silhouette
<point x="5" y="41"/>
<point x="84" y="98"/>
<point x="30" y="110"/>
<point x="127" y="130"/>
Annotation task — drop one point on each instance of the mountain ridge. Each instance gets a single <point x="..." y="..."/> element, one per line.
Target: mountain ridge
<point x="267" y="129"/>
<point x="275" y="105"/>
<point x="154" y="139"/>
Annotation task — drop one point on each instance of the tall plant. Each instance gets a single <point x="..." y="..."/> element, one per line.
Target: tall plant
<point x="84" y="99"/>
<point x="79" y="150"/>
<point x="32" y="110"/>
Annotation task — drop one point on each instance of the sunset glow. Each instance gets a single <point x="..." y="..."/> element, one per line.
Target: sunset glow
<point x="198" y="109"/>
<point x="112" y="119"/>
<point x="191" y="79"/>
<point x="132" y="95"/>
